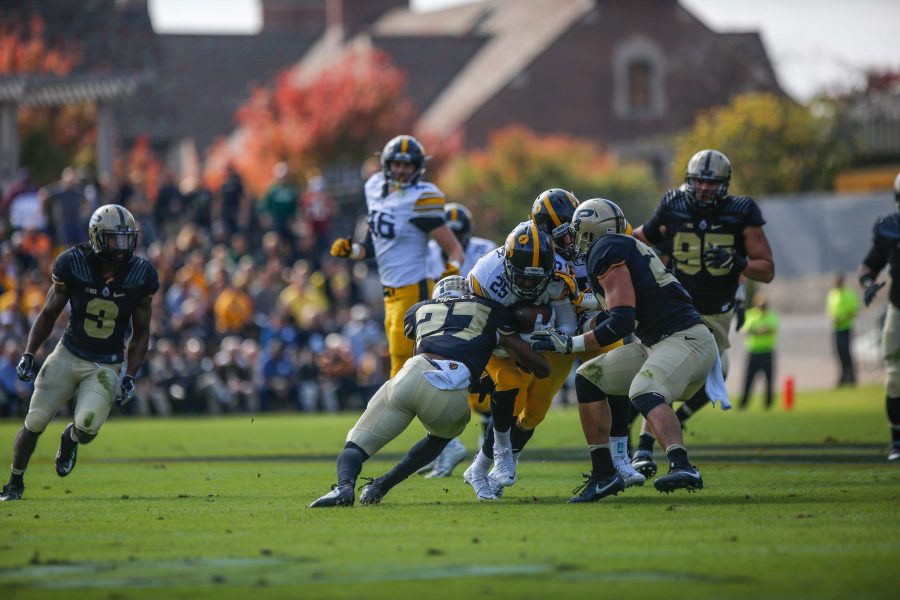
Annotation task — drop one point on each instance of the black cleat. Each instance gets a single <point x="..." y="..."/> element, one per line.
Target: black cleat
<point x="67" y="453"/>
<point x="595" y="488"/>
<point x="642" y="462"/>
<point x="340" y="495"/>
<point x="12" y="492"/>
<point x="372" y="492"/>
<point x="894" y="454"/>
<point x="680" y="478"/>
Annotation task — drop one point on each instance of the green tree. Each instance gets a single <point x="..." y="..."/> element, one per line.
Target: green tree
<point x="775" y="145"/>
<point x="499" y="183"/>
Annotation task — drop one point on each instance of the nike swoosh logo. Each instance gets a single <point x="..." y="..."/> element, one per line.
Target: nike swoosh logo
<point x="118" y="295"/>
<point x="712" y="227"/>
<point x="687" y="337"/>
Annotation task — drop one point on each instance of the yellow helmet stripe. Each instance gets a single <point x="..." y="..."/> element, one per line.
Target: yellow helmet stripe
<point x="537" y="245"/>
<point x="549" y="207"/>
<point x="404" y="144"/>
<point x="454" y="214"/>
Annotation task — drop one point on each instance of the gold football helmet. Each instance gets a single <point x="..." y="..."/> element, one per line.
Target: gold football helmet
<point x="113" y="233"/>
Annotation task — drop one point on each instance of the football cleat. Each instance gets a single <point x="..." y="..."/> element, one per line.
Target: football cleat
<point x="372" y="492"/>
<point x="447" y="460"/>
<point x="504" y="470"/>
<point x="67" y="453"/>
<point x="642" y="461"/>
<point x="594" y="488"/>
<point x="478" y="479"/>
<point x="629" y="474"/>
<point x="678" y="478"/>
<point x="894" y="454"/>
<point x="340" y="495"/>
<point x="11" y="492"/>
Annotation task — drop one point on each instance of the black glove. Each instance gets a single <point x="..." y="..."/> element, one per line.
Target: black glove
<point x="724" y="257"/>
<point x="126" y="391"/>
<point x="25" y="368"/>
<point x="870" y="288"/>
<point x="740" y="314"/>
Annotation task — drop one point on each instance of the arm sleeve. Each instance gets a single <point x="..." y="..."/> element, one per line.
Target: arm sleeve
<point x="877" y="257"/>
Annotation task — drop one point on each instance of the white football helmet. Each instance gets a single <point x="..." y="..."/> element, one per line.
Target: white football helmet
<point x="595" y="218"/>
<point x="453" y="286"/>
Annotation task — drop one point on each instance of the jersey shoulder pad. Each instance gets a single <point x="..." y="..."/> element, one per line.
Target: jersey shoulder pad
<point x="609" y="251"/>
<point x="142" y="276"/>
<point x="746" y="208"/>
<point x="72" y="266"/>
<point x="887" y="227"/>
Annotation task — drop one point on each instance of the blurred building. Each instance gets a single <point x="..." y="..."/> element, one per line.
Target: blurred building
<point x="626" y="75"/>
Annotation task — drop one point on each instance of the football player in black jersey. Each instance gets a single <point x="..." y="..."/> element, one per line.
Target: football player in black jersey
<point x="671" y="362"/>
<point x="454" y="336"/>
<point x="715" y="239"/>
<point x="885" y="251"/>
<point x="108" y="291"/>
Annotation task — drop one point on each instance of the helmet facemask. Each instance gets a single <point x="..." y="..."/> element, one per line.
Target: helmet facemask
<point x="710" y="167"/>
<point x="528" y="264"/>
<point x="595" y="218"/>
<point x="113" y="234"/>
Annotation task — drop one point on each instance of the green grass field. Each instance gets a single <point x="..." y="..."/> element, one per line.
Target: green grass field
<point x="796" y="505"/>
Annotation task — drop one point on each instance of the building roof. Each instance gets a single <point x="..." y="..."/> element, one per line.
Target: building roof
<point x="57" y="90"/>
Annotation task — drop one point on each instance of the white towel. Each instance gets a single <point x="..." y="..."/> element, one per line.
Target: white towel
<point x="452" y="375"/>
<point x="715" y="386"/>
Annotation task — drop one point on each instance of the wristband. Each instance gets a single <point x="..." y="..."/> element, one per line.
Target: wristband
<point x="866" y="280"/>
<point x="357" y="251"/>
<point x="577" y="344"/>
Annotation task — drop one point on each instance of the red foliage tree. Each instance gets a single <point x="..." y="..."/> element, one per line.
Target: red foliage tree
<point x="338" y="115"/>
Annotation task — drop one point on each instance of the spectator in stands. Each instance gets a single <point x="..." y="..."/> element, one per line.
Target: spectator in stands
<point x="233" y="205"/>
<point x="169" y="208"/>
<point x="841" y="306"/>
<point x="279" y="205"/>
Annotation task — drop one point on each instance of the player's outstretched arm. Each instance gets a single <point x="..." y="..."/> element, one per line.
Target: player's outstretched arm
<point x="140" y="337"/>
<point x="521" y="352"/>
<point x="57" y="298"/>
<point x="760" y="265"/>
<point x="449" y="244"/>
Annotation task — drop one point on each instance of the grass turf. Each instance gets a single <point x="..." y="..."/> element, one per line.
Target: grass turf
<point x="797" y="504"/>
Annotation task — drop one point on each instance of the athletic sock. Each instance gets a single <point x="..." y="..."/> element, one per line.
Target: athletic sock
<point x="425" y="451"/>
<point x="645" y="442"/>
<point x="482" y="462"/>
<point x="694" y="403"/>
<point x="893" y="413"/>
<point x="601" y="461"/>
<point x="349" y="464"/>
<point x="17" y="479"/>
<point x="618" y="447"/>
<point x="678" y="457"/>
<point x="518" y="437"/>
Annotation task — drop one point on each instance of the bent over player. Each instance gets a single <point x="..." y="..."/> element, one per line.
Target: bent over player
<point x="108" y="291"/>
<point x="671" y="362"/>
<point x="454" y="336"/>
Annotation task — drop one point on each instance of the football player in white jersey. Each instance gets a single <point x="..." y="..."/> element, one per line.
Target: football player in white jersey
<point x="459" y="220"/>
<point x="552" y="212"/>
<point x="403" y="212"/>
<point x="520" y="271"/>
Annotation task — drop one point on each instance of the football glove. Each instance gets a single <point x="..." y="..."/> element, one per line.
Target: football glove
<point x="539" y="324"/>
<point x="740" y="314"/>
<point x="724" y="257"/>
<point x="871" y="288"/>
<point x="341" y="247"/>
<point x="551" y="340"/>
<point x="25" y="368"/>
<point x="126" y="391"/>
<point x="450" y="269"/>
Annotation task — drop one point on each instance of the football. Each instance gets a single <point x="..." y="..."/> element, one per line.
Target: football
<point x="525" y="314"/>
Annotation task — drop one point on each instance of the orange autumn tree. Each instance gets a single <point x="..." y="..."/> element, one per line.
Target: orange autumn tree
<point x="145" y="165"/>
<point x="52" y="138"/>
<point x="340" y="114"/>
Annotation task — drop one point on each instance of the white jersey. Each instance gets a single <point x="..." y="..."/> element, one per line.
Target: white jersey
<point x="477" y="248"/>
<point x="488" y="280"/>
<point x="401" y="248"/>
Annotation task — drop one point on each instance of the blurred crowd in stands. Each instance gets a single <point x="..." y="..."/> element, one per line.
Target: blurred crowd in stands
<point x="253" y="314"/>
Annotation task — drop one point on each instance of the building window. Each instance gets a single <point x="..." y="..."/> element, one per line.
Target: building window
<point x="639" y="79"/>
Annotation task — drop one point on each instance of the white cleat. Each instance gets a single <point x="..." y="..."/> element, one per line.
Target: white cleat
<point x="447" y="460"/>
<point x="627" y="472"/>
<point x="504" y="470"/>
<point x="478" y="479"/>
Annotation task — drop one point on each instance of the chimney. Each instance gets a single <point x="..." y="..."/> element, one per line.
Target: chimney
<point x="354" y="16"/>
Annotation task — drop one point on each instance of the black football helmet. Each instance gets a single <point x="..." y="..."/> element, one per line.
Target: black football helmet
<point x="707" y="165"/>
<point x="113" y="234"/>
<point x="460" y="222"/>
<point x="403" y="148"/>
<point x="552" y="212"/>
<point x="528" y="263"/>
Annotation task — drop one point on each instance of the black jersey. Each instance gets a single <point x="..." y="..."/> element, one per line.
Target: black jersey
<point x="463" y="329"/>
<point x="100" y="310"/>
<point x="662" y="305"/>
<point x="886" y="250"/>
<point x="691" y="232"/>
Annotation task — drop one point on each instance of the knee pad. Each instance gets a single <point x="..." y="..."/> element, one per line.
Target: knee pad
<point x="83" y="437"/>
<point x="586" y="391"/>
<point x="647" y="402"/>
